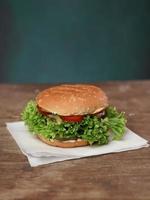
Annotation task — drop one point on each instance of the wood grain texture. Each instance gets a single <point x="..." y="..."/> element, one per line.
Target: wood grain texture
<point x="117" y="176"/>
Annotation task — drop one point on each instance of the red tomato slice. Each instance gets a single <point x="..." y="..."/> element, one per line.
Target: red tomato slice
<point x="73" y="118"/>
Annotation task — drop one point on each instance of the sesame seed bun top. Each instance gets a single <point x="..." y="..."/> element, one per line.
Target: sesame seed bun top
<point x="75" y="99"/>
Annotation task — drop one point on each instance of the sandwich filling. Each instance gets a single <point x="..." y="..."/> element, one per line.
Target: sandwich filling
<point x="97" y="128"/>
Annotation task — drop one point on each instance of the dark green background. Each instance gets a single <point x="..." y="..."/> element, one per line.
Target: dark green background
<point x="74" y="40"/>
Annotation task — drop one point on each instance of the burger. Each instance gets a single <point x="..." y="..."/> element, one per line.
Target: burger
<point x="73" y="115"/>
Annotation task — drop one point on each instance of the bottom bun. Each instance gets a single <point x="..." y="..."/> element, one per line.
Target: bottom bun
<point x="64" y="143"/>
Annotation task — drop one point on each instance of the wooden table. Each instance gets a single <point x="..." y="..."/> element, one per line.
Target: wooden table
<point x="117" y="176"/>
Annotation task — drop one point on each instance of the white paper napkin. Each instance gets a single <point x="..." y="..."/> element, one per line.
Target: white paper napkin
<point x="39" y="153"/>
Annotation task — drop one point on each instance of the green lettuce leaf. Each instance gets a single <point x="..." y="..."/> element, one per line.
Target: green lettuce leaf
<point x="92" y="128"/>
